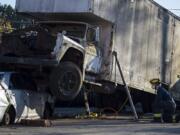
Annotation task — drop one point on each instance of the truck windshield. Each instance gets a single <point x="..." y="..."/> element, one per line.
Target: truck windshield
<point x="72" y="29"/>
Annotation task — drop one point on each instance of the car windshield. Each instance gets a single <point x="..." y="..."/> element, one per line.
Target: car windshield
<point x="71" y="29"/>
<point x="1" y="77"/>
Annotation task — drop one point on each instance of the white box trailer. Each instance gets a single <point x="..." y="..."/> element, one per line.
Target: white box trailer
<point x="145" y="35"/>
<point x="54" y="8"/>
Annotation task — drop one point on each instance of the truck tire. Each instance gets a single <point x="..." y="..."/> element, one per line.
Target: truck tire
<point x="66" y="81"/>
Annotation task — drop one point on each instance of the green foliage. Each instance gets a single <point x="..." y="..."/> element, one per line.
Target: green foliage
<point x="6" y="11"/>
<point x="9" y="19"/>
<point x="5" y="26"/>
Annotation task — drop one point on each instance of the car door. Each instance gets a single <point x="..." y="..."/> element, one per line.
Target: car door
<point x="19" y="97"/>
<point x="36" y="102"/>
<point x="35" y="108"/>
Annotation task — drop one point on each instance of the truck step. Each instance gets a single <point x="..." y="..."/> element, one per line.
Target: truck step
<point x="92" y="83"/>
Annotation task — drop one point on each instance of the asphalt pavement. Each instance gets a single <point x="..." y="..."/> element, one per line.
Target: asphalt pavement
<point x="95" y="127"/>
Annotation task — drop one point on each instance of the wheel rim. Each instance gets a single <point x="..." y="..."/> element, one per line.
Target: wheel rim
<point x="67" y="82"/>
<point x="7" y="119"/>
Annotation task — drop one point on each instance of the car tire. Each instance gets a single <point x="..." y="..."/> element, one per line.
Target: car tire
<point x="9" y="117"/>
<point x="66" y="81"/>
<point x="6" y="119"/>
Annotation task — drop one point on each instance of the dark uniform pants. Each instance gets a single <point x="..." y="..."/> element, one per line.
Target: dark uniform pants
<point x="167" y="109"/>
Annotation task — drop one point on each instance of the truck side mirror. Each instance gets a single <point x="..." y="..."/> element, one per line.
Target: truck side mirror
<point x="97" y="34"/>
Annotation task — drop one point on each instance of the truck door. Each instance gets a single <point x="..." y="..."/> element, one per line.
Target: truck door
<point x="93" y="57"/>
<point x="19" y="97"/>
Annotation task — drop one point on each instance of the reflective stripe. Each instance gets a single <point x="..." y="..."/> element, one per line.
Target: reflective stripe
<point x="157" y="115"/>
<point x="174" y="119"/>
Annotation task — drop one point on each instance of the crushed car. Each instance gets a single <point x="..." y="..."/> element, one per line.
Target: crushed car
<point x="20" y="99"/>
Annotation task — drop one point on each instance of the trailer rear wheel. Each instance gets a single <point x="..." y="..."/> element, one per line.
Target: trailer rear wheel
<point x="66" y="81"/>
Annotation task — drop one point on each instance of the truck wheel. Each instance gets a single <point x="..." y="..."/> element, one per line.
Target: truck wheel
<point x="66" y="81"/>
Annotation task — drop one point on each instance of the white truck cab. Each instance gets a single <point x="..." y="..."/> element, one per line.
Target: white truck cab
<point x="77" y="35"/>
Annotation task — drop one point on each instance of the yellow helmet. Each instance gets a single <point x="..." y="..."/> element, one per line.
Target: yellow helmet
<point x="155" y="81"/>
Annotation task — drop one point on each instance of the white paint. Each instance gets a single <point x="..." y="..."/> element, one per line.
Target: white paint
<point x="52" y="5"/>
<point x="58" y="44"/>
<point x="27" y="104"/>
<point x="93" y="59"/>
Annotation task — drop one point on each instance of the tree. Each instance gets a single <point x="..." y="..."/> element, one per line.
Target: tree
<point x="9" y="19"/>
<point x="6" y="12"/>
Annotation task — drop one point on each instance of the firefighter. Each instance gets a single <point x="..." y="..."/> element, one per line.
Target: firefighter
<point x="164" y="103"/>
